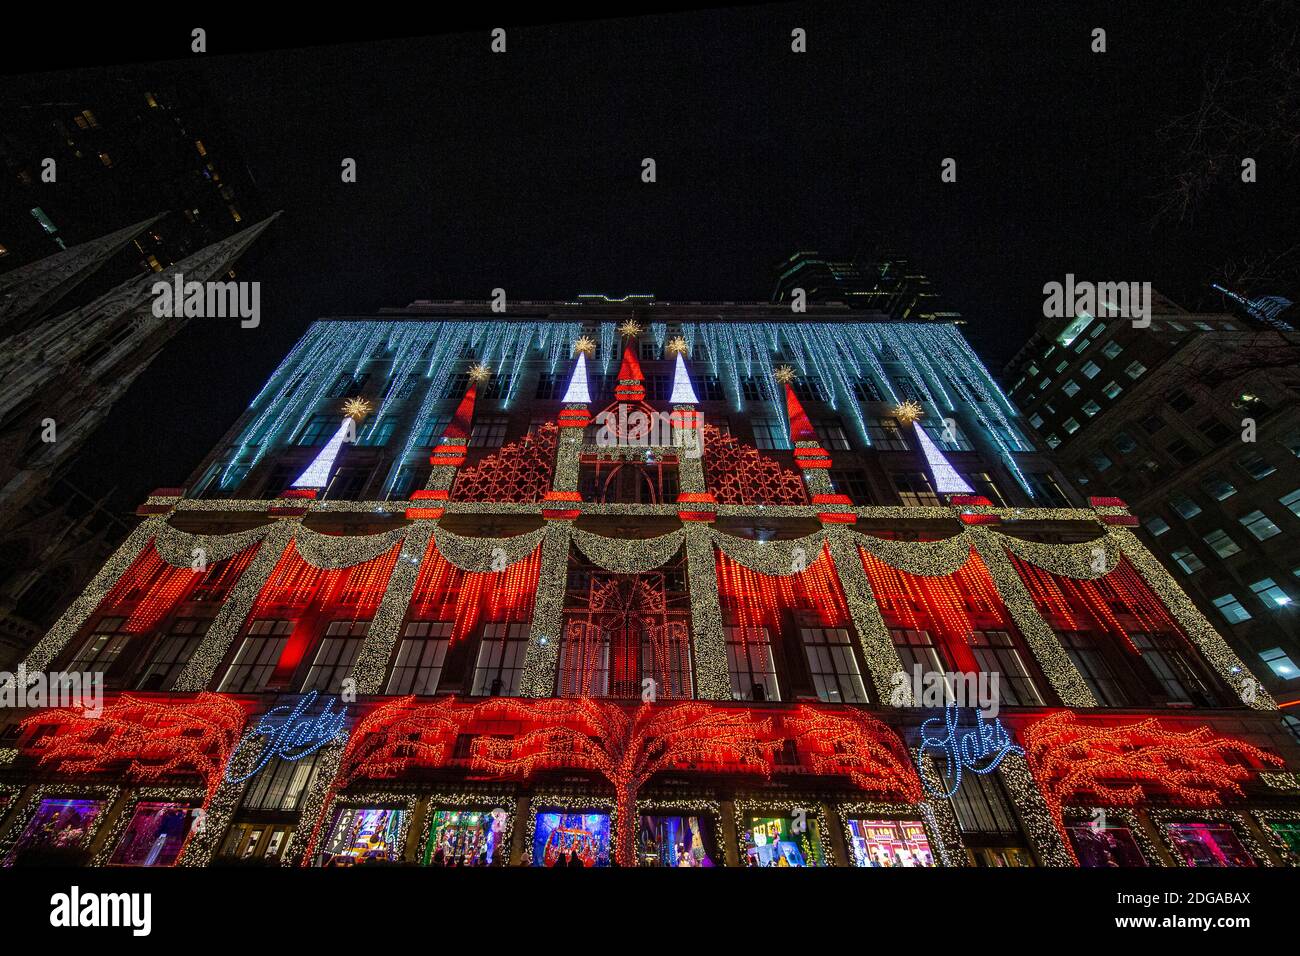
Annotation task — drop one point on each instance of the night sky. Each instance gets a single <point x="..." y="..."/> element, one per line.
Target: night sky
<point x="523" y="171"/>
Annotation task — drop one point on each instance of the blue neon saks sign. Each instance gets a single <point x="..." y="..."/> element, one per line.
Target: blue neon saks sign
<point x="292" y="732"/>
<point x="979" y="748"/>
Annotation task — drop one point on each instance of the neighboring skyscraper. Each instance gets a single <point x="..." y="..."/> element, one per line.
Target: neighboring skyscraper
<point x="136" y="145"/>
<point x="63" y="371"/>
<point x="1195" y="423"/>
<point x="698" y="609"/>
<point x="876" y="277"/>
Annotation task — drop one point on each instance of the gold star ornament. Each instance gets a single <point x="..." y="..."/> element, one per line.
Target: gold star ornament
<point x="677" y="346"/>
<point x="357" y="409"/>
<point x="908" y="411"/>
<point x="585" y="346"/>
<point x="479" y="372"/>
<point x="629" y="329"/>
<point x="784" y="374"/>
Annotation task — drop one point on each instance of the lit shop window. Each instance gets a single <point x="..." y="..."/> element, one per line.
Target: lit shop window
<point x="832" y="666"/>
<point x="1208" y="844"/>
<point x="1105" y="846"/>
<point x="156" y="834"/>
<point x="464" y="837"/>
<point x="571" y="838"/>
<point x="362" y="835"/>
<point x="247" y="840"/>
<point x="417" y="668"/>
<point x="57" y="825"/>
<point x="889" y="843"/>
<point x="259" y="652"/>
<point x="677" y="841"/>
<point x="500" y="660"/>
<point x="789" y="840"/>
<point x="750" y="664"/>
<point x="1288" y="831"/>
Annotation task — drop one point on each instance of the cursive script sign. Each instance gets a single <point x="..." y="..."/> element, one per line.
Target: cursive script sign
<point x="291" y="733"/>
<point x="978" y="750"/>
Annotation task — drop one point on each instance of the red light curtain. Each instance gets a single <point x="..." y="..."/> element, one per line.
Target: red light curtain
<point x="444" y="592"/>
<point x="1077" y="603"/>
<point x="760" y="600"/>
<point x="151" y="588"/>
<point x="948" y="606"/>
<point x="296" y="587"/>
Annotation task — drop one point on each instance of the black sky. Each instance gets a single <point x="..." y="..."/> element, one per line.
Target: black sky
<point x="523" y="171"/>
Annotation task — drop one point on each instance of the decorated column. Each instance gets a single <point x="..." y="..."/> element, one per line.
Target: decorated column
<point x="548" y="612"/>
<point x="687" y="430"/>
<point x="371" y="667"/>
<point x="712" y="680"/>
<point x="873" y="635"/>
<point x="1038" y="634"/>
<point x="573" y="420"/>
<point x="207" y="657"/>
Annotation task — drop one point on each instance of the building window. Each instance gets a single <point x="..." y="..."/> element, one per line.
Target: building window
<point x="865" y="390"/>
<point x="250" y="672"/>
<point x="709" y="389"/>
<point x="1185" y="506"/>
<point x="1090" y="408"/>
<point x="1135" y="370"/>
<point x="833" y="667"/>
<point x="1156" y="525"/>
<point x="886" y="435"/>
<point x="1208" y="844"/>
<point x="488" y="432"/>
<point x="1260" y="525"/>
<point x="809" y="389"/>
<point x="417" y="668"/>
<point x="1255" y="466"/>
<point x="1279" y="663"/>
<point x="769" y="433"/>
<point x="1124" y="442"/>
<point x="1180" y="401"/>
<point x="1291" y="501"/>
<point x="1222" y="544"/>
<point x="102" y="648"/>
<point x="750" y="664"/>
<point x="378" y="434"/>
<point x="1084" y="650"/>
<point x="335" y="657"/>
<point x="1111" y="389"/>
<point x="996" y="653"/>
<point x="985" y="485"/>
<point x="1152" y="424"/>
<point x="1164" y="656"/>
<point x="830" y="432"/>
<point x="1071" y="425"/>
<point x="1182" y="452"/>
<point x="1099" y="461"/>
<point x="280" y="785"/>
<point x="914" y="489"/>
<point x="173" y="653"/>
<point x="319" y="430"/>
<point x="1187" y="560"/>
<point x="981" y="804"/>
<point x="1215" y="432"/>
<point x="750" y="389"/>
<point x="1044" y="487"/>
<point x="1111" y="349"/>
<point x="432" y="430"/>
<point x="949" y="437"/>
<point x="1272" y="595"/>
<point x="852" y="483"/>
<point x="500" y="660"/>
<point x="550" y="386"/>
<point x="1217" y="487"/>
<point x="917" y="649"/>
<point x="1090" y="369"/>
<point x="659" y="388"/>
<point x="1071" y="387"/>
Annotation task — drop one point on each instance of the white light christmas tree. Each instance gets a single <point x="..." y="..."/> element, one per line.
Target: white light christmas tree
<point x="577" y="392"/>
<point x="683" y="392"/>
<point x="946" y="479"/>
<point x="318" y="472"/>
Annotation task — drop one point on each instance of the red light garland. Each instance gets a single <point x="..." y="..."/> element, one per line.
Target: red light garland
<point x="155" y="739"/>
<point x="853" y="742"/>
<point x="151" y="588"/>
<point x="1118" y="765"/>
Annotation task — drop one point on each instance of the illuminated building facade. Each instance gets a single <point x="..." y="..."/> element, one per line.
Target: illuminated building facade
<point x="621" y="581"/>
